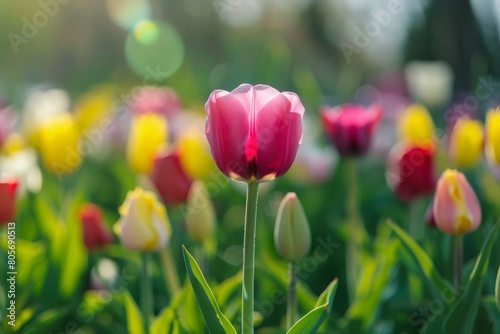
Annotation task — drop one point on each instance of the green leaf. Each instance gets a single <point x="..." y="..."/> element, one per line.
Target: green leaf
<point x="215" y="320"/>
<point x="311" y="322"/>
<point x="163" y="322"/>
<point x="46" y="322"/>
<point x="438" y="283"/>
<point x="135" y="324"/>
<point x="497" y="289"/>
<point x="374" y="280"/>
<point x="463" y="314"/>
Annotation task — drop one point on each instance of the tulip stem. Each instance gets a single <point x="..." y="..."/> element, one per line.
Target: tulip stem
<point x="458" y="260"/>
<point x="169" y="271"/>
<point x="146" y="290"/>
<point x="291" y="311"/>
<point x="249" y="258"/>
<point x="356" y="231"/>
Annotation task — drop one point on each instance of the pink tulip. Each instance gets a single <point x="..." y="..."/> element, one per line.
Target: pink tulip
<point x="170" y="179"/>
<point x="254" y="131"/>
<point x="456" y="208"/>
<point x="351" y="127"/>
<point x="160" y="100"/>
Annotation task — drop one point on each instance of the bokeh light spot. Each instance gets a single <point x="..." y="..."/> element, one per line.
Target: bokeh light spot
<point x="154" y="50"/>
<point x="127" y="13"/>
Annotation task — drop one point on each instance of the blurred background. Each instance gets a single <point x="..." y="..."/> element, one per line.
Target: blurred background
<point x="91" y="58"/>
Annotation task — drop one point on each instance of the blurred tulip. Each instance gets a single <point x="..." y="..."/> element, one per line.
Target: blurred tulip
<point x="195" y="155"/>
<point x="416" y="126"/>
<point x="351" y="127"/>
<point x="430" y="82"/>
<point x="7" y="120"/>
<point x="292" y="235"/>
<point x="410" y="171"/>
<point x="466" y="143"/>
<point x="147" y="135"/>
<point x="59" y="145"/>
<point x="23" y="166"/>
<point x="14" y="143"/>
<point x="160" y="100"/>
<point x="456" y="208"/>
<point x="93" y="107"/>
<point x="492" y="149"/>
<point x="170" y="178"/>
<point x="254" y="131"/>
<point x="8" y="189"/>
<point x="200" y="215"/>
<point x="95" y="233"/>
<point x="144" y="224"/>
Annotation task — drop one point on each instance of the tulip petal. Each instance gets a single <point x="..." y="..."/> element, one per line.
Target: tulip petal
<point x="227" y="131"/>
<point x="278" y="134"/>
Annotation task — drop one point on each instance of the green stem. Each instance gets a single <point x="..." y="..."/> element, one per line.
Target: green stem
<point x="356" y="231"/>
<point x="416" y="230"/>
<point x="291" y="311"/>
<point x="169" y="271"/>
<point x="458" y="260"/>
<point x="146" y="290"/>
<point x="249" y="258"/>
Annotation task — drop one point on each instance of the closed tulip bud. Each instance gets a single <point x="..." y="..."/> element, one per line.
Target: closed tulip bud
<point x="170" y="178"/>
<point x="195" y="155"/>
<point x="292" y="236"/>
<point x="410" y="171"/>
<point x="143" y="225"/>
<point x="147" y="134"/>
<point x="456" y="207"/>
<point x="351" y="127"/>
<point x="492" y="149"/>
<point x="200" y="216"/>
<point x="59" y="145"/>
<point x="466" y="143"/>
<point x="95" y="233"/>
<point x="7" y="201"/>
<point x="254" y="131"/>
<point x="416" y="126"/>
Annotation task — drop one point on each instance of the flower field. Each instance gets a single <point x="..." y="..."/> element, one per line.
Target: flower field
<point x="240" y="166"/>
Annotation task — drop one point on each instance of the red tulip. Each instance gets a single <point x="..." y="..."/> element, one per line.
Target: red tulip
<point x="7" y="201"/>
<point x="95" y="233"/>
<point x="254" y="131"/>
<point x="410" y="171"/>
<point x="170" y="179"/>
<point x="351" y="127"/>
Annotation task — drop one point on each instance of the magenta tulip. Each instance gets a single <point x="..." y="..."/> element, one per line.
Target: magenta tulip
<point x="170" y="179"/>
<point x="254" y="131"/>
<point x="351" y="127"/>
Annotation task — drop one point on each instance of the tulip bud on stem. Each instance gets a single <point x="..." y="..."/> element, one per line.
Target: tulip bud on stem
<point x="291" y="310"/>
<point x="249" y="258"/>
<point x="169" y="271"/>
<point x="146" y="290"/>
<point x="458" y="253"/>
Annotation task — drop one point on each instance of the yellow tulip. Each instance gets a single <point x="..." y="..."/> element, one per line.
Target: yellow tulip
<point x="200" y="215"/>
<point x="466" y="143"/>
<point x="94" y="107"/>
<point x="147" y="135"/>
<point x="416" y="126"/>
<point x="195" y="155"/>
<point x="59" y="145"/>
<point x="493" y="136"/>
<point x="144" y="224"/>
